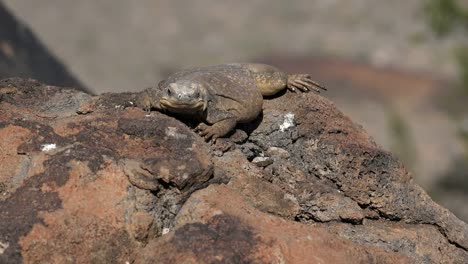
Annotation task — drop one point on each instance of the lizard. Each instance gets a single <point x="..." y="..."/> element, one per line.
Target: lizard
<point x="222" y="96"/>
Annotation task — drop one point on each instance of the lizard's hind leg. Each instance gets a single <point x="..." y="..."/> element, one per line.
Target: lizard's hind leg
<point x="269" y="80"/>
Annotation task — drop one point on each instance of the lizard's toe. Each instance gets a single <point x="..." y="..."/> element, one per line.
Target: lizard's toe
<point x="207" y="132"/>
<point x="203" y="133"/>
<point x="316" y="86"/>
<point x="292" y="88"/>
<point x="304" y="83"/>
<point x="201" y="127"/>
<point x="209" y="135"/>
<point x="214" y="137"/>
<point x="302" y="86"/>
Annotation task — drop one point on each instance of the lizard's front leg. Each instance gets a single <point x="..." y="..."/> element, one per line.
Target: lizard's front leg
<point x="149" y="99"/>
<point x="218" y="129"/>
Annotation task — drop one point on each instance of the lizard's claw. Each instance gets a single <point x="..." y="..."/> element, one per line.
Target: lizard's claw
<point x="304" y="83"/>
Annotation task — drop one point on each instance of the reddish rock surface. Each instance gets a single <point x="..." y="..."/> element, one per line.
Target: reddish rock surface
<point x="416" y="115"/>
<point x="97" y="180"/>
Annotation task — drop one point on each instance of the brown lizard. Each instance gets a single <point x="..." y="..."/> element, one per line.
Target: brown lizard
<point x="223" y="95"/>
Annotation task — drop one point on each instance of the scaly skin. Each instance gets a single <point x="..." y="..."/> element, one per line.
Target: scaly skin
<point x="222" y="96"/>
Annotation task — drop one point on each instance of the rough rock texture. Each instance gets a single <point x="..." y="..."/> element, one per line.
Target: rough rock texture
<point x="95" y="179"/>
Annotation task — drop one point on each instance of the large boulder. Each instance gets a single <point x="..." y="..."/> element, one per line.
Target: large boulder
<point x="96" y="179"/>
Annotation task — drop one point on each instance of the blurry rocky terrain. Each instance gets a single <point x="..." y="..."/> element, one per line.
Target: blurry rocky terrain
<point x="23" y="55"/>
<point x="117" y="45"/>
<point x="383" y="65"/>
<point x="95" y="179"/>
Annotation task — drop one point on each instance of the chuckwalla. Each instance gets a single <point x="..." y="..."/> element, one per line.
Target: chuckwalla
<point x="223" y="95"/>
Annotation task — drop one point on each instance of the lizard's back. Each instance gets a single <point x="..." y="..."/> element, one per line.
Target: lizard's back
<point x="231" y="87"/>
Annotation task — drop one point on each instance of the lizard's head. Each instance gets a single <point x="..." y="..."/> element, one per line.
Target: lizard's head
<point x="183" y="97"/>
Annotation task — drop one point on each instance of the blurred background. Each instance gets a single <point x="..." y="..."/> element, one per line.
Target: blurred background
<point x="399" y="68"/>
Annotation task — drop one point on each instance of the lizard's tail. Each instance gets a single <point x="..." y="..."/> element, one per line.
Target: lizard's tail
<point x="303" y="82"/>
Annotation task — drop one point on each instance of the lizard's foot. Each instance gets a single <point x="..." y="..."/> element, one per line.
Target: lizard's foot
<point x="304" y="83"/>
<point x="208" y="132"/>
<point x="144" y="102"/>
<point x="217" y="130"/>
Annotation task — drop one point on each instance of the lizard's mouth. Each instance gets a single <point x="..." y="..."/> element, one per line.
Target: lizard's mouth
<point x="182" y="107"/>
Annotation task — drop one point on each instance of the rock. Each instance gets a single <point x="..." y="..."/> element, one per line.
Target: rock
<point x="244" y="235"/>
<point x="262" y="161"/>
<point x="331" y="207"/>
<point x="265" y="196"/>
<point x="141" y="226"/>
<point x="116" y="184"/>
<point x="222" y="145"/>
<point x="114" y="179"/>
<point x="279" y="152"/>
<point x="239" y="136"/>
<point x="251" y="150"/>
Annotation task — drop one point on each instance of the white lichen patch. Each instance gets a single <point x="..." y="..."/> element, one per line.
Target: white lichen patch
<point x="288" y="122"/>
<point x="164" y="173"/>
<point x="165" y="230"/>
<point x="173" y="132"/>
<point x="217" y="212"/>
<point x="290" y="197"/>
<point x="48" y="147"/>
<point x="3" y="247"/>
